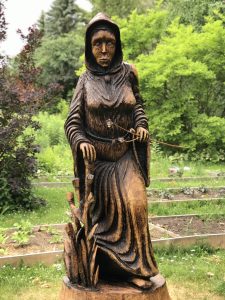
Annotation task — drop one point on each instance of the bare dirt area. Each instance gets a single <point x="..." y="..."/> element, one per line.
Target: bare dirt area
<point x="193" y="225"/>
<point x="43" y="239"/>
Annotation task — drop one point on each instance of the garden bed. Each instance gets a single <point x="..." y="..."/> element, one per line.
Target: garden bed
<point x="191" y="224"/>
<point x="49" y="238"/>
<point x="164" y="231"/>
<point x="186" y="193"/>
<point x="43" y="238"/>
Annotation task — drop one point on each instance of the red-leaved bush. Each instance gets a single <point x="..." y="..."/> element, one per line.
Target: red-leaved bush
<point x="20" y="99"/>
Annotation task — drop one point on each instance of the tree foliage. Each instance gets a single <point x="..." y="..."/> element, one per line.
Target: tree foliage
<point x="62" y="44"/>
<point x="183" y="83"/>
<point x="120" y="8"/>
<point x="140" y="33"/>
<point x="58" y="58"/>
<point x="178" y="48"/>
<point x="63" y="17"/>
<point x="20" y="99"/>
<point x="41" y="23"/>
<point x="194" y="11"/>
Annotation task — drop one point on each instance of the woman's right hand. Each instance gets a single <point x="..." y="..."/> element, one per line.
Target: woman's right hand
<point x="88" y="151"/>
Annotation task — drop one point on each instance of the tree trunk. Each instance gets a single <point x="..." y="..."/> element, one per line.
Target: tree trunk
<point x="108" y="291"/>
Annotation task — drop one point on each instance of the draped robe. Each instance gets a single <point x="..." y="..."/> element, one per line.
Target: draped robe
<point x="120" y="169"/>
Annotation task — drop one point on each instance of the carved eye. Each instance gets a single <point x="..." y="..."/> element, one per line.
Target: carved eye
<point x="110" y="44"/>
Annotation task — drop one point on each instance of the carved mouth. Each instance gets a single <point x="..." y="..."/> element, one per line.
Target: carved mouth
<point x="104" y="60"/>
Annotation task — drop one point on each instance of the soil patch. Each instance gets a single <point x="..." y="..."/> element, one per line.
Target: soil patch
<point x="193" y="225"/>
<point x="41" y="239"/>
<point x="50" y="238"/>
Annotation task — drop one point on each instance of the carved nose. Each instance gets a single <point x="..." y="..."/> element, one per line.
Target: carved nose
<point x="103" y="47"/>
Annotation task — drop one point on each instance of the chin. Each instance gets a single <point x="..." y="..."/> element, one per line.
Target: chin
<point x="104" y="65"/>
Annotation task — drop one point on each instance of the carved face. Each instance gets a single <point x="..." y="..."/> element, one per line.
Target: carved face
<point x="103" y="45"/>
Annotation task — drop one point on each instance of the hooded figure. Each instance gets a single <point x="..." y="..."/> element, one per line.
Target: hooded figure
<point x="106" y="111"/>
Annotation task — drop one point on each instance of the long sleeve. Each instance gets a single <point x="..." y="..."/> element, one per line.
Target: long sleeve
<point x="142" y="149"/>
<point x="74" y="125"/>
<point x="140" y="118"/>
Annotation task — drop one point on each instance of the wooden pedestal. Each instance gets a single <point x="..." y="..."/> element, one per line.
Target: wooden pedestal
<point x="111" y="291"/>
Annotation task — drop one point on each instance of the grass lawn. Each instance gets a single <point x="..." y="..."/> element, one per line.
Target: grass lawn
<point x="56" y="208"/>
<point x="28" y="283"/>
<point x="174" y="183"/>
<point x="53" y="212"/>
<point x="198" y="207"/>
<point x="192" y="183"/>
<point x="199" y="269"/>
<point x="195" y="273"/>
<point x="160" y="166"/>
<point x="159" y="169"/>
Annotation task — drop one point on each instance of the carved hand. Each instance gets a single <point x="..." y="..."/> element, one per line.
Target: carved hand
<point x="143" y="134"/>
<point x="88" y="151"/>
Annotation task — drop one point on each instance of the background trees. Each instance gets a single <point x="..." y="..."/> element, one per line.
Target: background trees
<point x="178" y="49"/>
<point x="62" y="44"/>
<point x="120" y="8"/>
<point x="20" y="99"/>
<point x="181" y="76"/>
<point x="63" y="17"/>
<point x="59" y="57"/>
<point x="194" y="11"/>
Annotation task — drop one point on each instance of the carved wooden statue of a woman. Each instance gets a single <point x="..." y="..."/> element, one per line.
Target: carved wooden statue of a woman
<point x="107" y="128"/>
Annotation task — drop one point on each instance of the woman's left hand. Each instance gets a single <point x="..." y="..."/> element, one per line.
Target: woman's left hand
<point x="143" y="134"/>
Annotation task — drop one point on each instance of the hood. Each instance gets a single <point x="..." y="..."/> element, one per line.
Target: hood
<point x="91" y="65"/>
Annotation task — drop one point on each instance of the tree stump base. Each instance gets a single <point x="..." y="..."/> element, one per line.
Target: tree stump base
<point x="113" y="291"/>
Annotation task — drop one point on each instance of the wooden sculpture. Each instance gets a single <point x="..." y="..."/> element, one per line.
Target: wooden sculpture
<point x="109" y="242"/>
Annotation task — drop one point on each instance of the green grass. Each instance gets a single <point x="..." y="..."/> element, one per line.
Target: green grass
<point x="199" y="268"/>
<point x="198" y="207"/>
<point x="54" y="212"/>
<point x="54" y="178"/>
<point x="192" y="183"/>
<point x="15" y="281"/>
<point x="52" y="167"/>
<point x="161" y="164"/>
<point x="201" y="265"/>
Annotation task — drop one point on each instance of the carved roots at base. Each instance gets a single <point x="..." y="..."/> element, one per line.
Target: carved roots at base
<point x="80" y="249"/>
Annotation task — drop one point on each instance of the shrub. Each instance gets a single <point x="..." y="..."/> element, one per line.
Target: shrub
<point x="52" y="141"/>
<point x="20" y="99"/>
<point x="50" y="159"/>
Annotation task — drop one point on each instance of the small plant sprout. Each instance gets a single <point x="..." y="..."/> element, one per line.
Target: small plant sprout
<point x="56" y="239"/>
<point x="3" y="251"/>
<point x="23" y="233"/>
<point x="3" y="236"/>
<point x="21" y="238"/>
